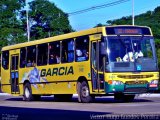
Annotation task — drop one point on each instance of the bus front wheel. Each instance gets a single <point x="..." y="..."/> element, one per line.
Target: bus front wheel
<point x="83" y="93"/>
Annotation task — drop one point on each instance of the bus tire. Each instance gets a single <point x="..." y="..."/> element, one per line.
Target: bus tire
<point x="27" y="94"/>
<point x="83" y="93"/>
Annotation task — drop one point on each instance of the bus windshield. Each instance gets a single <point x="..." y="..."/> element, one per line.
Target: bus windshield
<point x="125" y="53"/>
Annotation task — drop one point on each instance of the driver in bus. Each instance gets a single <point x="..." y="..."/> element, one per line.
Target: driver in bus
<point x="130" y="56"/>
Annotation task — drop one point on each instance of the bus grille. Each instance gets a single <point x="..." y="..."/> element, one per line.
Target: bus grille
<point x="134" y="76"/>
<point x="136" y="82"/>
<point x="136" y="90"/>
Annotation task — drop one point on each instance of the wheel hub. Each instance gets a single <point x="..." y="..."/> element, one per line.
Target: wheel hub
<point x="85" y="91"/>
<point x="27" y="93"/>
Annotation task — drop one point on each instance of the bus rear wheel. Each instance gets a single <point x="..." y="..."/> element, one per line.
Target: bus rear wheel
<point x="27" y="94"/>
<point x="84" y="95"/>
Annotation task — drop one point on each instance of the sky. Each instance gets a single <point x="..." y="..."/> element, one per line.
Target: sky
<point x="90" y="19"/>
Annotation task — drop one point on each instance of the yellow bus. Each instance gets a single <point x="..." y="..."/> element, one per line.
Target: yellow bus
<point x="111" y="60"/>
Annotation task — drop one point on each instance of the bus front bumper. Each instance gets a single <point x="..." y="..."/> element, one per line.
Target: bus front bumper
<point x="130" y="89"/>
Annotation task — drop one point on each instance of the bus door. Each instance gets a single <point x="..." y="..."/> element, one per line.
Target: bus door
<point x="97" y="68"/>
<point x="14" y="74"/>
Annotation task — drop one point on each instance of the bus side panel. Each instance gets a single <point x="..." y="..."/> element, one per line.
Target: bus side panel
<point x="6" y="88"/>
<point x="5" y="80"/>
<point x="55" y="79"/>
<point x="55" y="88"/>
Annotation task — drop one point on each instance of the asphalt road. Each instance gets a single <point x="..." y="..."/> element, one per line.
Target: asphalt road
<point x="14" y="108"/>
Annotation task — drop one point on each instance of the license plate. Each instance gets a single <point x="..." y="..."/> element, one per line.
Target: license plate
<point x="153" y="85"/>
<point x="136" y="85"/>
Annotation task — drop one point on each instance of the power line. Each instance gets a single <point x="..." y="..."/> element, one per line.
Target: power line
<point x="98" y="7"/>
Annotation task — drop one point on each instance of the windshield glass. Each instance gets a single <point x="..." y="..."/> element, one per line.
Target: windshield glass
<point x="125" y="51"/>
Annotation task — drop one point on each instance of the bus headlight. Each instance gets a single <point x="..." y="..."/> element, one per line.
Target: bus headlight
<point x="154" y="82"/>
<point x="115" y="82"/>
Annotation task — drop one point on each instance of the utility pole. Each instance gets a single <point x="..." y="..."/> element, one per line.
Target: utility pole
<point x="133" y="12"/>
<point x="28" y="27"/>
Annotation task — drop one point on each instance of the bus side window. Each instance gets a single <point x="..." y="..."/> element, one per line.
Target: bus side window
<point x="67" y="51"/>
<point x="5" y="60"/>
<point x="31" y="56"/>
<point x="23" y="57"/>
<point x="82" y="48"/>
<point x="42" y="54"/>
<point x="54" y="52"/>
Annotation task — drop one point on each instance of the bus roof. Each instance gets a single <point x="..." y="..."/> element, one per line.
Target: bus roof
<point x="66" y="36"/>
<point x="55" y="38"/>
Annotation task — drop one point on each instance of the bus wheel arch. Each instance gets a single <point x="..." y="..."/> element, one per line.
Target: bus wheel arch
<point x="83" y="90"/>
<point x="26" y="81"/>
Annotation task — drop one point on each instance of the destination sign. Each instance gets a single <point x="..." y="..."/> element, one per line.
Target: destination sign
<point x="128" y="30"/>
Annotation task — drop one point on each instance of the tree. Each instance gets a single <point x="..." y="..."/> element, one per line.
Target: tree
<point x="11" y="30"/>
<point x="47" y="20"/>
<point x="99" y="25"/>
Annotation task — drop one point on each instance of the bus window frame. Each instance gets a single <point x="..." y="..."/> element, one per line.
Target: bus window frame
<point x="25" y="65"/>
<point x="66" y="42"/>
<point x="6" y="68"/>
<point x="49" y="52"/>
<point x="35" y="62"/>
<point x="37" y="54"/>
<point x="88" y="49"/>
